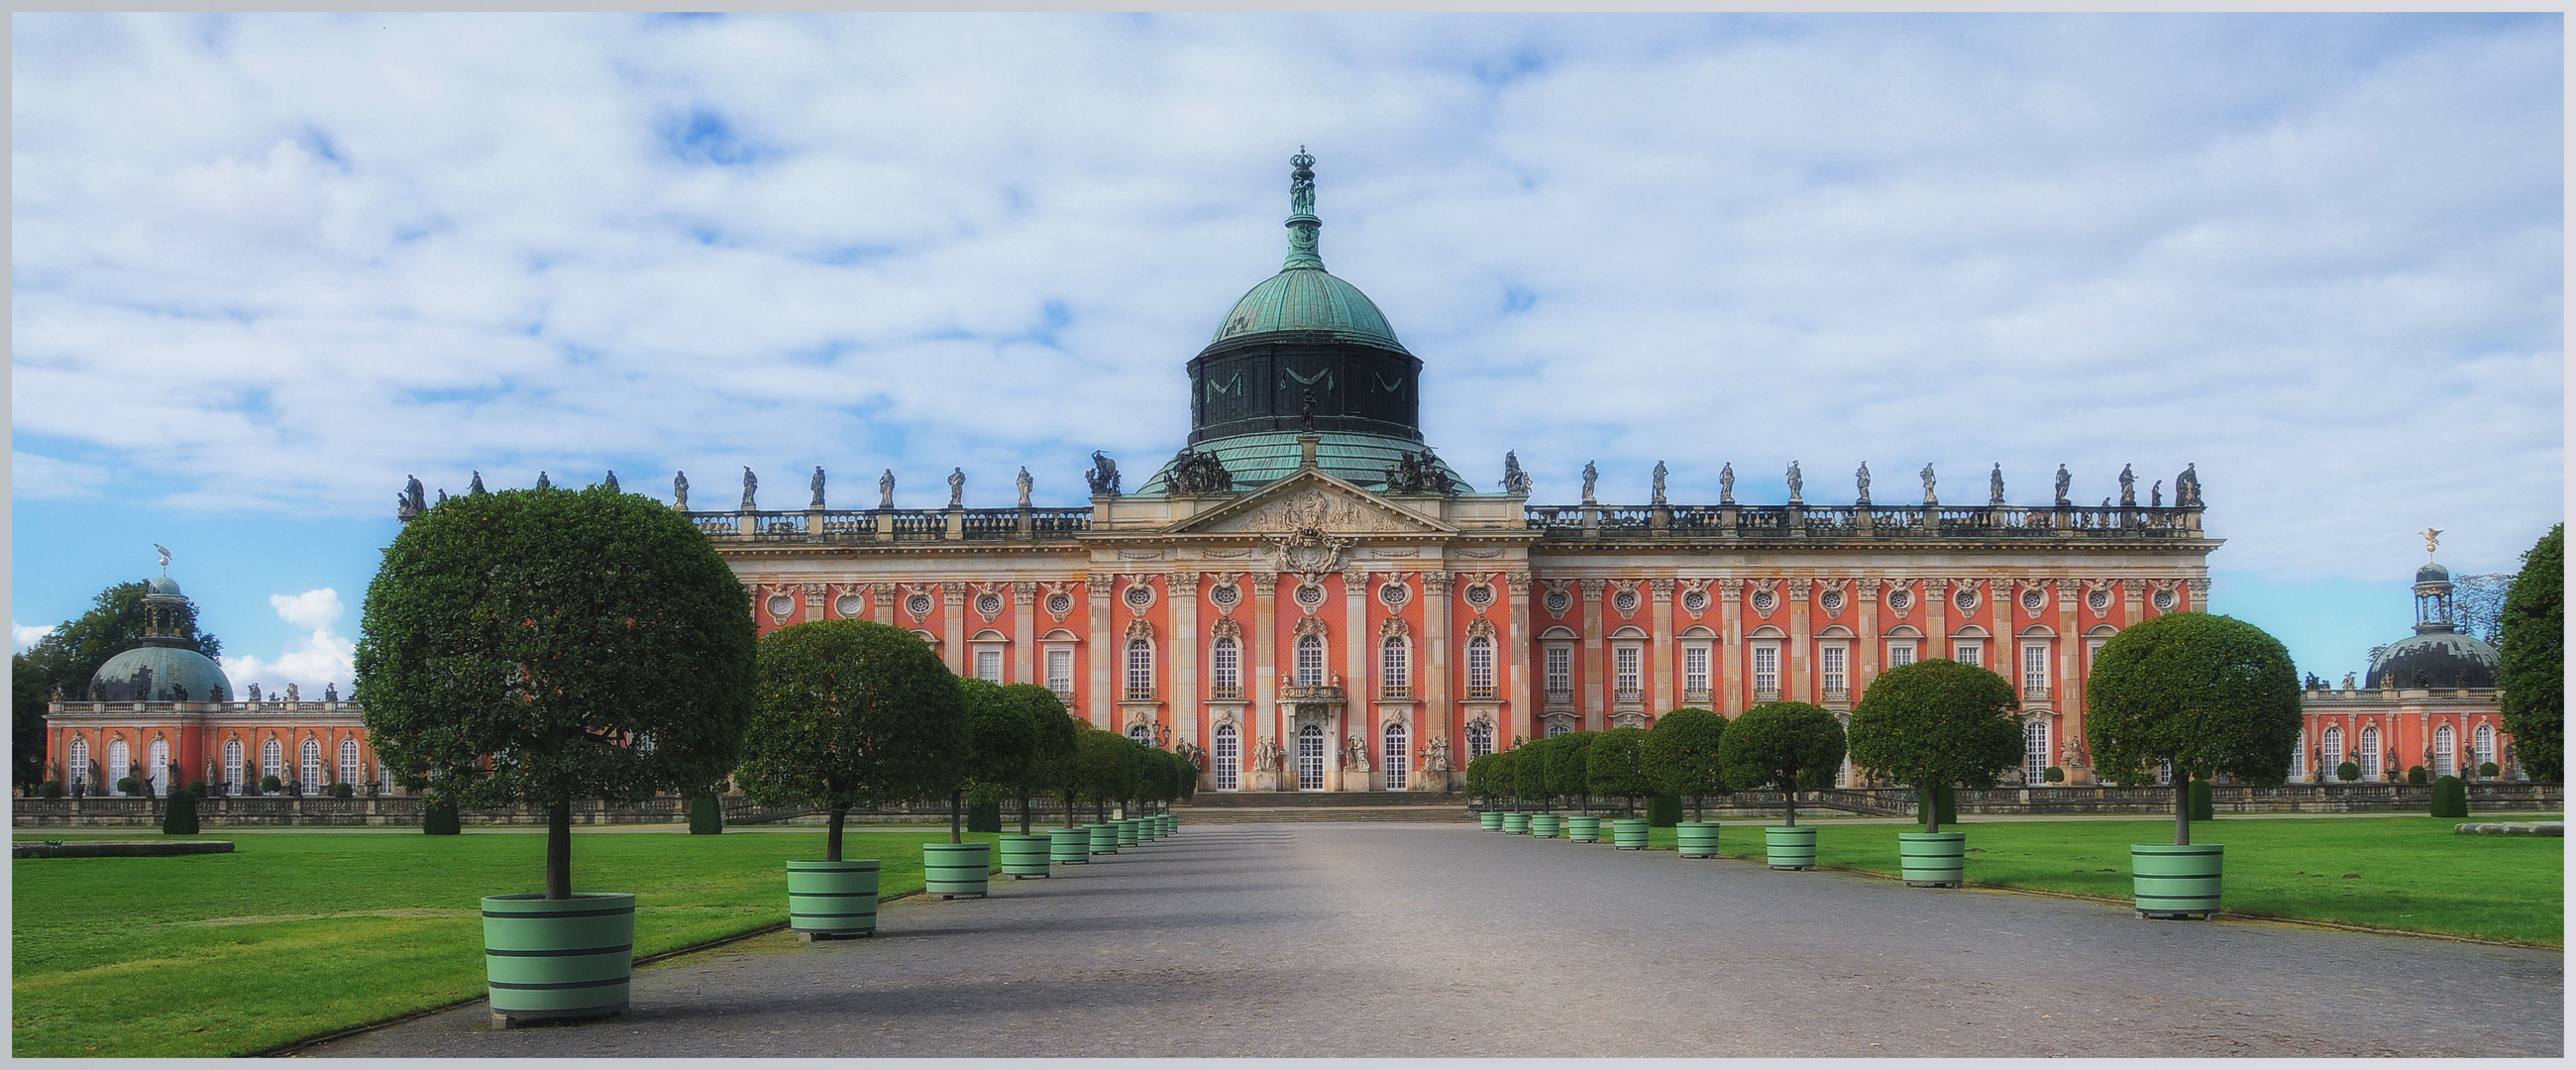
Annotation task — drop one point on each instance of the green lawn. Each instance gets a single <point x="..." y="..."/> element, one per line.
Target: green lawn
<point x="2396" y="872"/>
<point x="295" y="934"/>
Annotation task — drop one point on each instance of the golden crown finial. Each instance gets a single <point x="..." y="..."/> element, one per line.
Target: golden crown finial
<point x="2432" y="540"/>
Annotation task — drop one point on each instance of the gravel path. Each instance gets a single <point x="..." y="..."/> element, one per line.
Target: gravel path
<point x="1384" y="940"/>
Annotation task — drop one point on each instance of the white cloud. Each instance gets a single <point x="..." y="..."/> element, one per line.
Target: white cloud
<point x="319" y="658"/>
<point x="37" y="476"/>
<point x="301" y="257"/>
<point x="22" y="636"/>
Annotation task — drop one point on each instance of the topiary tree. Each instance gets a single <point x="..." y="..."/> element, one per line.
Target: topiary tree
<point x="2347" y="772"/>
<point x="2415" y="774"/>
<point x="1569" y="768"/>
<point x="1100" y="768"/>
<point x="1934" y="724"/>
<point x="1001" y="741"/>
<point x="2486" y="771"/>
<point x="2054" y="775"/>
<point x="1680" y="757"/>
<point x="180" y="819"/>
<point x="439" y="819"/>
<point x="2531" y="667"/>
<point x="1480" y="778"/>
<point x="1529" y="772"/>
<point x="2450" y="797"/>
<point x="539" y="646"/>
<point x="1793" y="746"/>
<point x="2206" y="693"/>
<point x="851" y="713"/>
<point x="706" y="815"/>
<point x="1052" y="734"/>
<point x="1615" y="766"/>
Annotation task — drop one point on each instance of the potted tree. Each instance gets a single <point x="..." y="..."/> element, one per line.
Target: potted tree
<point x="1481" y="787"/>
<point x="2206" y="693"/>
<point x="1051" y="735"/>
<point x="1100" y="775"/>
<point x="1933" y="724"/>
<point x="533" y="647"/>
<point x="1529" y="784"/>
<point x="851" y="713"/>
<point x="1000" y="740"/>
<point x="1792" y="746"/>
<point x="1569" y="770"/>
<point x="1680" y="759"/>
<point x="1615" y="766"/>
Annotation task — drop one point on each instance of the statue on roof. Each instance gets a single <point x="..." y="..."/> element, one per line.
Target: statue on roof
<point x="1202" y="472"/>
<point x="957" y="489"/>
<point x="1797" y="485"/>
<point x="750" y="488"/>
<point x="541" y="481"/>
<point x="612" y="481"/>
<point x="1726" y="484"/>
<point x="1591" y="476"/>
<point x="2063" y="481"/>
<point x="1659" y="484"/>
<point x="1103" y="476"/>
<point x="2128" y="488"/>
<point x="1929" y="498"/>
<point x="680" y="491"/>
<point x="407" y="506"/>
<point x="816" y="485"/>
<point x="477" y="487"/>
<point x="330" y="692"/>
<point x="1862" y="476"/>
<point x="885" y="490"/>
<point x="1026" y="484"/>
<point x="2187" y="488"/>
<point x="1516" y="480"/>
<point x="1995" y="485"/>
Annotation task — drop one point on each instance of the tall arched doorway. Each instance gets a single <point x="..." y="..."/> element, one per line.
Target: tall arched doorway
<point x="1310" y="758"/>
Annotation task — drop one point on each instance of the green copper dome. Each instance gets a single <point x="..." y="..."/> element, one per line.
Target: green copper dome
<point x="1308" y="299"/>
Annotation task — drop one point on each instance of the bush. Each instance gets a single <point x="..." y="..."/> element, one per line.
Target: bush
<point x="984" y="816"/>
<point x="2347" y="772"/>
<point x="180" y="819"/>
<point x="2207" y="693"/>
<point x="1786" y="746"/>
<point x="2054" y="775"/>
<point x="1569" y="765"/>
<point x="2531" y="652"/>
<point x="439" y="819"/>
<point x="2486" y="771"/>
<point x="2416" y="775"/>
<point x="51" y="789"/>
<point x="851" y="713"/>
<point x="1680" y="756"/>
<point x="342" y="790"/>
<point x="1663" y="811"/>
<point x="706" y="816"/>
<point x="1614" y="766"/>
<point x="270" y="785"/>
<point x="2202" y="808"/>
<point x="2450" y="797"/>
<point x="1936" y="724"/>
<point x="1529" y="772"/>
<point x="128" y="786"/>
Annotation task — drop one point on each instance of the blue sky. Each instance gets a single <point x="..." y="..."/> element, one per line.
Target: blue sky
<point x="264" y="267"/>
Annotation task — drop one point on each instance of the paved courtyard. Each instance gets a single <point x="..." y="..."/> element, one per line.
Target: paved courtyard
<point x="1438" y="940"/>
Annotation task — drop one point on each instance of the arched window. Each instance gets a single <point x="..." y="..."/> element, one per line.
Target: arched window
<point x="349" y="770"/>
<point x="2333" y="759"/>
<point x="120" y="762"/>
<point x="2445" y="752"/>
<point x="2034" y="752"/>
<point x="1480" y="740"/>
<point x="1140" y="669"/>
<point x="79" y="771"/>
<point x="272" y="759"/>
<point x="1225" y="669"/>
<point x="156" y="769"/>
<point x="232" y="766"/>
<point x="310" y="771"/>
<point x="1228" y="759"/>
<point x="1480" y="668"/>
<point x="1310" y="758"/>
<point x="2370" y="769"/>
<point x="1310" y="661"/>
<point x="2299" y="758"/>
<point x="1394" y="669"/>
<point x="1395" y="755"/>
<point x="2484" y="740"/>
<point x="1558" y="728"/>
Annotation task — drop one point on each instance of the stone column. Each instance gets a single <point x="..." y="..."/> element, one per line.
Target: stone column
<point x="1936" y="619"/>
<point x="1359" y="691"/>
<point x="1438" y="717"/>
<point x="1183" y="587"/>
<point x="1105" y="655"/>
<point x="952" y="602"/>
<point x="1266" y="719"/>
<point x="1798" y="686"/>
<point x="1664" y="661"/>
<point x="1864" y="666"/>
<point x="813" y="604"/>
<point x="2198" y="600"/>
<point x="1594" y="644"/>
<point x="1730" y="684"/>
<point x="881" y="602"/>
<point x="1024" y="633"/>
<point x="1520" y="723"/>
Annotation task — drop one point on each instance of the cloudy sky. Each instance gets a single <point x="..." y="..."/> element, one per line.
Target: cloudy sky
<point x="266" y="267"/>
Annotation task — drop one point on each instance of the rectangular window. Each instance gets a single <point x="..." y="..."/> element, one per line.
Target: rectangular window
<point x="1832" y="662"/>
<point x="2299" y="758"/>
<point x="1695" y="670"/>
<point x="2034" y="753"/>
<point x="1395" y="671"/>
<point x="1766" y="671"/>
<point x="1059" y="672"/>
<point x="1900" y="654"/>
<point x="1480" y="668"/>
<point x="1560" y="672"/>
<point x="988" y="663"/>
<point x="1310" y="661"/>
<point x="2034" y="671"/>
<point x="1969" y="653"/>
<point x="1627" y="661"/>
<point x="1225" y="670"/>
<point x="1140" y="670"/>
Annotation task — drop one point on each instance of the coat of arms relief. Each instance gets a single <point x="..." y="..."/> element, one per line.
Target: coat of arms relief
<point x="1313" y="530"/>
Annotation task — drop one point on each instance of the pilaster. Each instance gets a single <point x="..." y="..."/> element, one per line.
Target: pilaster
<point x="952" y="603"/>
<point x="1730" y="684"/>
<point x="1106" y="654"/>
<point x="1438" y="714"/>
<point x="1801" y="686"/>
<point x="1266" y="723"/>
<point x="1594" y="647"/>
<point x="1520" y="722"/>
<point x="1024" y="633"/>
<point x="1183" y="589"/>
<point x="1664" y="659"/>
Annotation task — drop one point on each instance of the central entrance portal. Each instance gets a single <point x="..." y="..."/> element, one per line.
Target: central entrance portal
<point x="1310" y="758"/>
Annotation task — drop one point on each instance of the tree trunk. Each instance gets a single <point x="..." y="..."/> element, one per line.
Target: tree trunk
<point x="832" y="839"/>
<point x="1069" y="818"/>
<point x="1024" y="813"/>
<point x="957" y="816"/>
<point x="1789" y="800"/>
<point x="1927" y="799"/>
<point x="559" y="850"/>
<point x="2182" y="809"/>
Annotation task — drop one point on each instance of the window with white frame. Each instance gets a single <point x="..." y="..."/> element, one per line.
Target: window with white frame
<point x="1480" y="668"/>
<point x="156" y="767"/>
<point x="310" y="769"/>
<point x="2484" y="741"/>
<point x="1557" y="665"/>
<point x="80" y="760"/>
<point x="2299" y="758"/>
<point x="2333" y="760"/>
<point x="232" y="765"/>
<point x="1396" y="755"/>
<point x="1480" y="740"/>
<point x="1695" y="671"/>
<point x="1627" y="662"/>
<point x="1228" y="760"/>
<point x="2034" y="752"/>
<point x="272" y="759"/>
<point x="988" y="664"/>
<point x="2445" y="753"/>
<point x="1766" y="671"/>
<point x="1143" y="734"/>
<point x="1833" y="669"/>
<point x="119" y="764"/>
<point x="2034" y="670"/>
<point x="1968" y="652"/>
<point x="2370" y="769"/>
<point x="1225" y="669"/>
<point x="1900" y="653"/>
<point x="1310" y="661"/>
<point x="1394" y="669"/>
<point x="1059" y="671"/>
<point x="349" y="770"/>
<point x="1140" y="669"/>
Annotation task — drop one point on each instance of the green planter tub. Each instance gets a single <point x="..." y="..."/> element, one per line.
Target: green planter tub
<point x="1544" y="826"/>
<point x="1171" y="824"/>
<point x="558" y="958"/>
<point x="1516" y="824"/>
<point x="1069" y="846"/>
<point x="1490" y="821"/>
<point x="1026" y="856"/>
<point x="1104" y="838"/>
<point x="2176" y="882"/>
<point x="1629" y="833"/>
<point x="1697" y="839"/>
<point x="1932" y="859"/>
<point x="828" y="900"/>
<point x="1789" y="848"/>
<point x="949" y="870"/>
<point x="1125" y="828"/>
<point x="1583" y="829"/>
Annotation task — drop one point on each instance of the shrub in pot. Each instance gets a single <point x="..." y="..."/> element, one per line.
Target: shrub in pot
<point x="342" y="790"/>
<point x="2450" y="797"/>
<point x="533" y="647"/>
<point x="2486" y="771"/>
<point x="1614" y="766"/>
<point x="2207" y="694"/>
<point x="2203" y="806"/>
<point x="2348" y="772"/>
<point x="1680" y="758"/>
<point x="1052" y="733"/>
<point x="2054" y="775"/>
<point x="129" y="785"/>
<point x="439" y="818"/>
<point x="1529" y="773"/>
<point x="1001" y="741"/>
<point x="270" y="785"/>
<point x="1791" y="746"/>
<point x="1663" y="811"/>
<point x="1569" y="767"/>
<point x="51" y="789"/>
<point x="1934" y="724"/>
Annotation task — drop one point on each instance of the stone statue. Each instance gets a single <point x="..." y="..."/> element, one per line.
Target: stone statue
<point x="1591" y="476"/>
<point x="1435" y="758"/>
<point x="2063" y="480"/>
<point x="680" y="491"/>
<point x="542" y="484"/>
<point x="1355" y="755"/>
<point x="1189" y="752"/>
<point x="1265" y="758"/>
<point x="2187" y="488"/>
<point x="1515" y="479"/>
<point x="291" y="696"/>
<point x="885" y="490"/>
<point x="1929" y="498"/>
<point x="1726" y="484"/>
<point x="2347" y="681"/>
<point x="442" y="495"/>
<point x="1103" y="476"/>
<point x="816" y="485"/>
<point x="1197" y="472"/>
<point x="957" y="489"/>
<point x="2128" y="488"/>
<point x="477" y="487"/>
<point x="1025" y="484"/>
<point x="254" y="694"/>
<point x="1995" y="485"/>
<point x="409" y="505"/>
<point x="2156" y="495"/>
<point x="750" y="489"/>
<point x="612" y="482"/>
<point x="330" y="692"/>
<point x="1863" y="477"/>
<point x="1659" y="484"/>
<point x="1797" y="485"/>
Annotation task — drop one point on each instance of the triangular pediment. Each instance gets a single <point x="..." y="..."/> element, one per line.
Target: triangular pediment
<point x="1311" y="500"/>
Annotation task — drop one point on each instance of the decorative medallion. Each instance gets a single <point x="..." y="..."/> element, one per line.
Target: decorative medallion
<point x="1695" y="602"/>
<point x="1831" y="600"/>
<point x="2099" y="599"/>
<point x="1058" y="604"/>
<point x="1965" y="597"/>
<point x="2032" y="600"/>
<point x="1559" y="600"/>
<point x="1900" y="599"/>
<point x="1309" y="596"/>
<point x="1763" y="600"/>
<point x="988" y="606"/>
<point x="1139" y="596"/>
<point x="1225" y="596"/>
<point x="2165" y="600"/>
<point x="850" y="605"/>
<point x="1480" y="595"/>
<point x="1394" y="594"/>
<point x="1624" y="600"/>
<point x="781" y="606"/>
<point x="918" y="604"/>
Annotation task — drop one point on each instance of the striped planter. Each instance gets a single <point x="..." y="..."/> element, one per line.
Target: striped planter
<point x="1516" y="824"/>
<point x="1629" y="833"/>
<point x="1069" y="846"/>
<point x="1544" y="826"/>
<point x="1932" y="859"/>
<point x="1025" y="856"/>
<point x="1169" y="823"/>
<point x="1697" y="839"/>
<point x="1104" y="838"/>
<point x="1583" y="829"/>
<point x="558" y="958"/>
<point x="949" y="870"/>
<point x="1490" y="821"/>
<point x="832" y="899"/>
<point x="2176" y="882"/>
<point x="1789" y="848"/>
<point x="1125" y="828"/>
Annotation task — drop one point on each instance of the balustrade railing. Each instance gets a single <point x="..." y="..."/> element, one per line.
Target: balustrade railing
<point x="902" y="525"/>
<point x="1855" y="521"/>
<point x="1626" y="518"/>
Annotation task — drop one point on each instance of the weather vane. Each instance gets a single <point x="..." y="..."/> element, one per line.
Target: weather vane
<point x="165" y="558"/>
<point x="2432" y="540"/>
